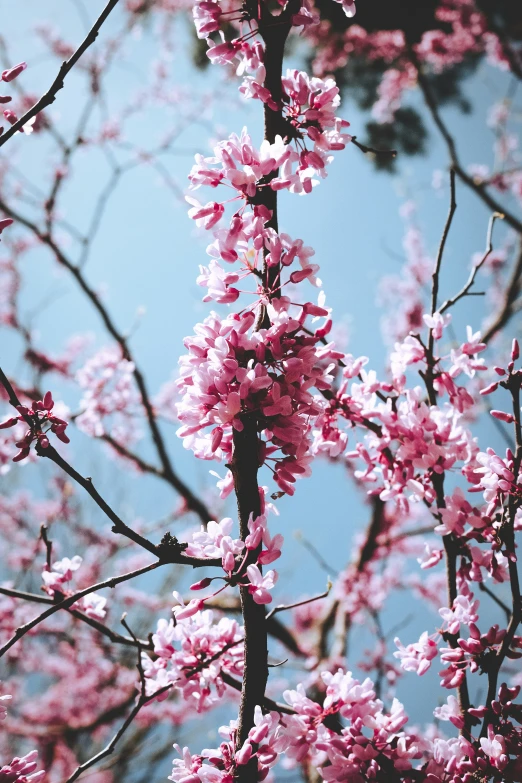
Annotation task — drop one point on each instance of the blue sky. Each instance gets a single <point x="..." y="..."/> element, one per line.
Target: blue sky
<point x="146" y="257"/>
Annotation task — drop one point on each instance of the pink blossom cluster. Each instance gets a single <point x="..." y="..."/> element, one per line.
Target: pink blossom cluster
<point x="373" y="743"/>
<point x="110" y="398"/>
<point x="22" y="770"/>
<point x="230" y="371"/>
<point x="214" y="540"/>
<point x="192" y="654"/>
<point x="36" y="418"/>
<point x="56" y="581"/>
<point x="460" y="31"/>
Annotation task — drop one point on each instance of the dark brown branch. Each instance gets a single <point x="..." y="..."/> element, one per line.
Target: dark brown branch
<point x="436" y="272"/>
<point x="507" y="533"/>
<point x="168" y="551"/>
<point x="116" y="638"/>
<point x="274" y="31"/>
<point x="193" y="502"/>
<point x="510" y="300"/>
<point x="268" y="704"/>
<point x="437" y="479"/>
<point x="456" y="165"/>
<point x="274" y="627"/>
<point x="67" y="602"/>
<point x="57" y="85"/>
<point x="143" y="699"/>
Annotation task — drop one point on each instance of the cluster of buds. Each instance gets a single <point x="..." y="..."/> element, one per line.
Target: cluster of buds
<point x="8" y="76"/>
<point x="512" y="380"/>
<point x="37" y="417"/>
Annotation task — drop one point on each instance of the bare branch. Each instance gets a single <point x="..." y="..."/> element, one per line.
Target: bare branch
<point x="442" y="245"/>
<point x="471" y="280"/>
<point x="285" y="607"/>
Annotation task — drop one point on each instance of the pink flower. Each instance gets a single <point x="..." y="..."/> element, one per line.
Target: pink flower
<point x="3" y="708"/>
<point x="450" y="711"/>
<point x="62" y="572"/>
<point x="36" y="417"/>
<point x="348" y="7"/>
<point x="260" y="585"/>
<point x="431" y="557"/>
<point x="464" y="611"/>
<point x="437" y="323"/>
<point x="183" y="611"/>
<point x="494" y="746"/>
<point x="417" y="657"/>
<point x="11" y="73"/>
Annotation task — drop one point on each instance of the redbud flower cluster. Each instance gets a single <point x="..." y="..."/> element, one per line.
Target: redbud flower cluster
<point x="56" y="581"/>
<point x="37" y="417"/>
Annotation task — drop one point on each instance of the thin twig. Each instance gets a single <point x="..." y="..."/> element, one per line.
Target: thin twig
<point x="364" y="148"/>
<point x="72" y="599"/>
<point x="193" y="502"/>
<point x="316" y="554"/>
<point x="168" y="552"/>
<point x="471" y="280"/>
<point x="143" y="699"/>
<point x="285" y="607"/>
<point x="442" y="245"/>
<point x="50" y="96"/>
<point x="43" y="599"/>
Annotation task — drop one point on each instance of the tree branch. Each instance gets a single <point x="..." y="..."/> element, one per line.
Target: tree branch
<point x="168" y="551"/>
<point x="481" y="192"/>
<point x="57" y="85"/>
<point x="115" y="637"/>
<point x="193" y="503"/>
<point x="67" y="602"/>
<point x="50" y="96"/>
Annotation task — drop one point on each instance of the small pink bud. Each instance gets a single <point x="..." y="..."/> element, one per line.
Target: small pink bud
<point x="515" y="350"/>
<point x="48" y="400"/>
<point x="11" y="73"/>
<point x="499" y="370"/>
<point x="8" y="423"/>
<point x="189" y="610"/>
<point x="43" y="440"/>
<point x="217" y="436"/>
<point x="10" y="116"/>
<point x="489" y="389"/>
<point x="5" y="99"/>
<point x="4" y="223"/>
<point x="312" y="309"/>
<point x="22" y="454"/>
<point x="244" y="755"/>
<point x="502" y="416"/>
<point x="229" y="562"/>
<point x="201" y="584"/>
